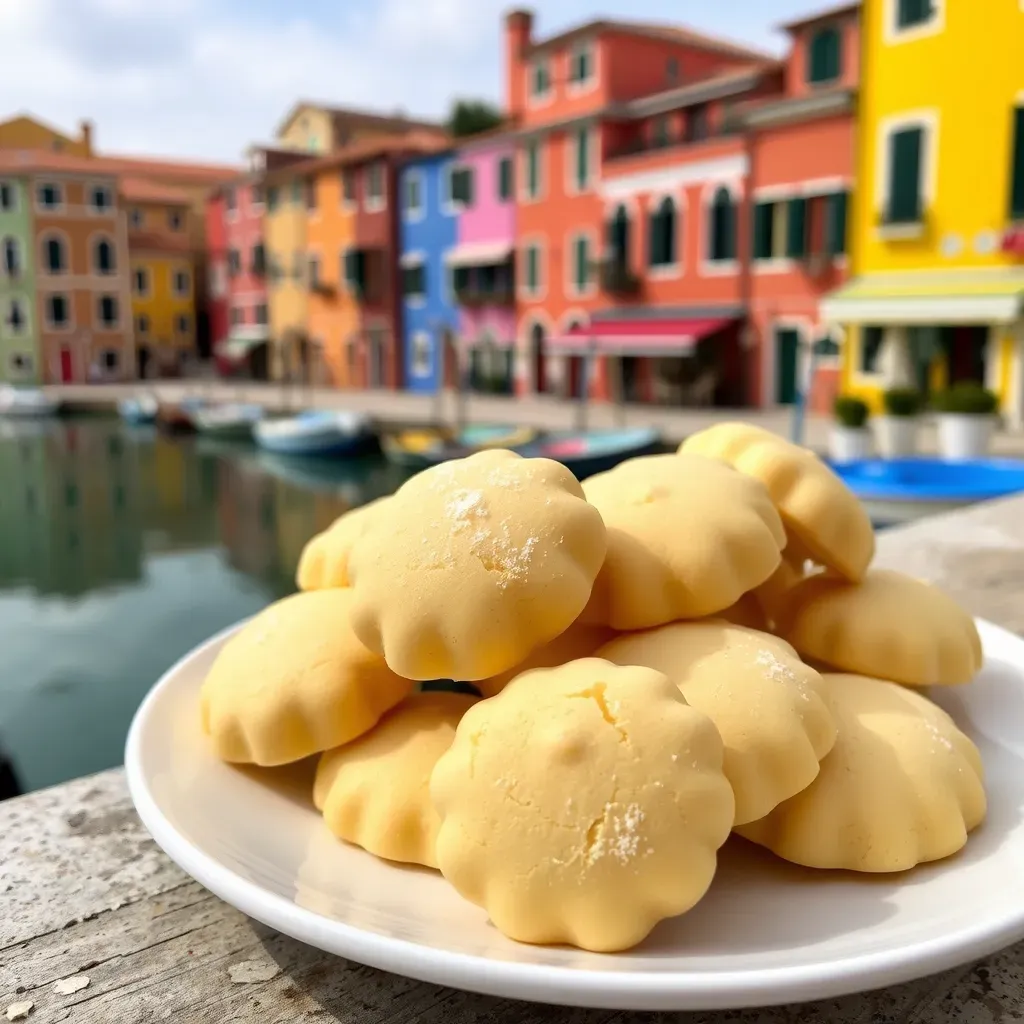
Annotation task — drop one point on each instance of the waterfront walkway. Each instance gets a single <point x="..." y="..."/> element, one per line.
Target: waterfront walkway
<point x="402" y="408"/>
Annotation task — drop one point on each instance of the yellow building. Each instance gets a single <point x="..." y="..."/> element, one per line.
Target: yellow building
<point x="24" y="132"/>
<point x="937" y="291"/>
<point x="318" y="129"/>
<point x="163" y="274"/>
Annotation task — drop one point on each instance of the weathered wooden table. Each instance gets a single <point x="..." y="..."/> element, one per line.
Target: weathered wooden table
<point x="84" y="891"/>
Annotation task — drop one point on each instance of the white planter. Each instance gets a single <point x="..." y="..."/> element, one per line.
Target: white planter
<point x="896" y="435"/>
<point x="965" y="435"/>
<point x="849" y="444"/>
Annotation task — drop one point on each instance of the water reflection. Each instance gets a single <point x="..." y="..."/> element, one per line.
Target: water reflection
<point x="120" y="550"/>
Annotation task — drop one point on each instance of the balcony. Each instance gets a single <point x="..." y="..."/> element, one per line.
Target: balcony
<point x="474" y="296"/>
<point x="672" y="140"/>
<point x="616" y="278"/>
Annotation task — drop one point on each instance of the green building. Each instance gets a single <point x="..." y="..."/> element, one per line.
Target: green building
<point x="19" y="327"/>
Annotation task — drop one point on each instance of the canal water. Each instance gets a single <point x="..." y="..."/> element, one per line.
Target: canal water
<point x="120" y="550"/>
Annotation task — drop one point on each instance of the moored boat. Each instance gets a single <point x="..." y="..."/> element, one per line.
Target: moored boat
<point x="138" y="409"/>
<point x="27" y="403"/>
<point x="234" y="421"/>
<point x="589" y="452"/>
<point x="179" y="417"/>
<point x="417" y="449"/>
<point x="315" y="433"/>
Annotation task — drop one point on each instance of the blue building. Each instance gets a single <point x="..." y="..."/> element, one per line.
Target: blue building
<point x="429" y="189"/>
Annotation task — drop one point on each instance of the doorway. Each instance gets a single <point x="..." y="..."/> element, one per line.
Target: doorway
<point x="630" y="378"/>
<point x="537" y="359"/>
<point x="67" y="365"/>
<point x="965" y="348"/>
<point x="787" y="352"/>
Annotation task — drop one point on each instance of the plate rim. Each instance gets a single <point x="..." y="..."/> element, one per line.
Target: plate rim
<point x="546" y="983"/>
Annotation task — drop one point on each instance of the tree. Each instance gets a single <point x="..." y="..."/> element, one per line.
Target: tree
<point x="471" y="117"/>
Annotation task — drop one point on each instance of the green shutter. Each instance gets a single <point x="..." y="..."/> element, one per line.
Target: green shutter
<point x="532" y="269"/>
<point x="838" y="204"/>
<point x="825" y="61"/>
<point x="532" y="170"/>
<point x="654" y="246"/>
<point x="913" y="12"/>
<point x="764" y="223"/>
<point x="505" y="179"/>
<point x="1017" y="170"/>
<point x="905" y="176"/>
<point x="580" y="268"/>
<point x="796" y="228"/>
<point x="582" y="158"/>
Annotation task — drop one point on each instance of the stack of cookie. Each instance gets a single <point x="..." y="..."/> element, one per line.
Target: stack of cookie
<point x="683" y="647"/>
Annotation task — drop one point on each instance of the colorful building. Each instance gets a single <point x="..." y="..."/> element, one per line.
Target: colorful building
<point x="217" y="301"/>
<point x="319" y="129"/>
<point x="432" y="189"/>
<point x="162" y="274"/>
<point x="24" y="132"/>
<point x="937" y="294"/>
<point x="20" y="361"/>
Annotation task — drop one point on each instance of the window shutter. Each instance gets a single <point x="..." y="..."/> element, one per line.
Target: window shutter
<point x="582" y="158"/>
<point x="905" y="176"/>
<point x="796" y="228"/>
<point x="913" y="12"/>
<point x="837" y="213"/>
<point x="764" y="215"/>
<point x="532" y="270"/>
<point x="1017" y="170"/>
<point x="580" y="263"/>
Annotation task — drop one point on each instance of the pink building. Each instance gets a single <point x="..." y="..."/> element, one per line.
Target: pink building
<point x="483" y="261"/>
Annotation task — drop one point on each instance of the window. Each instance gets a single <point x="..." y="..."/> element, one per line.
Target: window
<point x="660" y="132"/>
<point x="273" y="198"/>
<point x="532" y="157"/>
<point x="905" y="149"/>
<point x="175" y="220"/>
<point x="697" y="127"/>
<point x="230" y="201"/>
<point x="375" y="186"/>
<point x="258" y="262"/>
<point x="722" y="240"/>
<point x="8" y="197"/>
<point x="50" y="196"/>
<point x="582" y="264"/>
<point x="348" y="185"/>
<point x="182" y="283"/>
<point x="100" y="199"/>
<point x="104" y="260"/>
<point x="142" y="325"/>
<point x="825" y="56"/>
<point x="55" y="255"/>
<point x="912" y="13"/>
<point x="531" y="269"/>
<point x="826" y="347"/>
<point x="581" y="159"/>
<point x="414" y="281"/>
<point x="422" y="354"/>
<point x="581" y="64"/>
<point x="836" y="206"/>
<point x="764" y="231"/>
<point x="413" y="194"/>
<point x="140" y="281"/>
<point x="672" y="70"/>
<point x="237" y="316"/>
<point x="311" y="196"/>
<point x="107" y="313"/>
<point x="662" y="228"/>
<point x="796" y="228"/>
<point x="262" y="316"/>
<point x="57" y="310"/>
<point x="871" y="339"/>
<point x="618" y="238"/>
<point x="11" y="255"/>
<point x="540" y="79"/>
<point x="21" y="363"/>
<point x="354" y="270"/>
<point x="135" y="219"/>
<point x="313" y="271"/>
<point x="460" y="187"/>
<point x="234" y="262"/>
<point x="110" y="359"/>
<point x="505" y="179"/>
<point x="183" y="323"/>
<point x="1017" y="169"/>
<point x="297" y="195"/>
<point x="15" y="319"/>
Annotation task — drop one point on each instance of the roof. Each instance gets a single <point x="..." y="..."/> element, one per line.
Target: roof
<point x="184" y="172"/>
<point x="651" y="30"/>
<point x="141" y="190"/>
<point x="824" y="14"/>
<point x="355" y="116"/>
<point x="34" y="161"/>
<point x="731" y="82"/>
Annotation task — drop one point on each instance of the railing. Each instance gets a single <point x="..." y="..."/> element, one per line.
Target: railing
<point x="636" y="146"/>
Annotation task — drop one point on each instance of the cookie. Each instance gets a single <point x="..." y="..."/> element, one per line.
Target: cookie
<point x="324" y="559"/>
<point x="766" y="704"/>
<point x="472" y="564"/>
<point x="902" y="786"/>
<point x="888" y="625"/>
<point x="375" y="791"/>
<point x="771" y="595"/>
<point x="578" y="641"/>
<point x="826" y="520"/>
<point x="687" y="537"/>
<point x="747" y="611"/>
<point x="582" y="805"/>
<point x="295" y="681"/>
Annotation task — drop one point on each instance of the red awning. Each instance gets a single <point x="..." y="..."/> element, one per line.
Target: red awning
<point x="637" y="337"/>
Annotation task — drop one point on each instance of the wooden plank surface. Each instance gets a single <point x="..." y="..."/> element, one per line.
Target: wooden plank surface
<point x="84" y="892"/>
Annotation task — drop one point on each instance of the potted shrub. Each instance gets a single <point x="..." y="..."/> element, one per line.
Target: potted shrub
<point x="850" y="439"/>
<point x="966" y="415"/>
<point x="897" y="428"/>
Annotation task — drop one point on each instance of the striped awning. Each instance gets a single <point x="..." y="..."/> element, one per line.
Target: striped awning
<point x="669" y="337"/>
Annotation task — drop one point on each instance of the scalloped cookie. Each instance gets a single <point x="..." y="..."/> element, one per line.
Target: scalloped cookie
<point x="767" y="705"/>
<point x="295" y="681"/>
<point x="902" y="786"/>
<point x="827" y="521"/>
<point x="472" y="564"/>
<point x="687" y="537"/>
<point x="582" y="804"/>
<point x="324" y="560"/>
<point x="747" y="611"/>
<point x="375" y="791"/>
<point x="771" y="595"/>
<point x="580" y="640"/>
<point x="888" y="625"/>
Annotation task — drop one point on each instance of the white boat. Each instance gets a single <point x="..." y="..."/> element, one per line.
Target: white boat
<point x="234" y="421"/>
<point x="26" y="402"/>
<point x="138" y="409"/>
<point x="314" y="432"/>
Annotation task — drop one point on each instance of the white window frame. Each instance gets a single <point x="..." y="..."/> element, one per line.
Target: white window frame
<point x="719" y="268"/>
<point x="96" y="211"/>
<point x="928" y="120"/>
<point x="540" y="99"/>
<point x="540" y="243"/>
<point x="414" y="259"/>
<point x="146" y="292"/>
<point x="524" y="177"/>
<point x="44" y="238"/>
<point x="94" y="241"/>
<point x="667" y="271"/>
<point x="413" y="214"/>
<point x="588" y="84"/>
<point x="572" y="186"/>
<point x="69" y="323"/>
<point x="61" y="204"/>
<point x="415" y="370"/>
<point x="175" y="290"/>
<point x="346" y="204"/>
<point x="375" y="204"/>
<point x="450" y="206"/>
<point x="26" y="314"/>
<point x="12" y="188"/>
<point x="893" y="35"/>
<point x="19" y="251"/>
<point x="592" y="240"/>
<point x="98" y="320"/>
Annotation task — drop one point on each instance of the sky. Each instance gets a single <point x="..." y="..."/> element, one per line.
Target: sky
<point x="205" y="78"/>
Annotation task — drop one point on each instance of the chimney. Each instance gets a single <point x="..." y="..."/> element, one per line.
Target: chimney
<point x="85" y="131"/>
<point x="518" y="37"/>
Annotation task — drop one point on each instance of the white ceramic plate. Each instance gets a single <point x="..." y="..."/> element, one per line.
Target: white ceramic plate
<point x="767" y="932"/>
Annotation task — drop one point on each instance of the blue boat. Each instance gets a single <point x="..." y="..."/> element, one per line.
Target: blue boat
<point x="898" y="490"/>
<point x="318" y="433"/>
<point x="140" y="409"/>
<point x="595" y="451"/>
